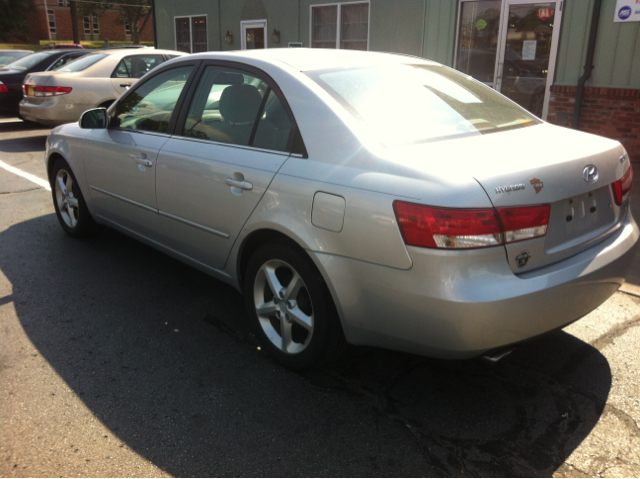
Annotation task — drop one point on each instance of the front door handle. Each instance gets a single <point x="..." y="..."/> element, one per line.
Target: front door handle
<point x="125" y="85"/>
<point x="143" y="161"/>
<point x="243" y="185"/>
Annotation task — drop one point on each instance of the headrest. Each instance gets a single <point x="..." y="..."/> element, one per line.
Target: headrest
<point x="240" y="103"/>
<point x="228" y="78"/>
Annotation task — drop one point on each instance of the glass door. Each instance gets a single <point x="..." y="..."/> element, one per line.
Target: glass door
<point x="510" y="45"/>
<point x="528" y="46"/>
<point x="254" y="34"/>
<point x="478" y="38"/>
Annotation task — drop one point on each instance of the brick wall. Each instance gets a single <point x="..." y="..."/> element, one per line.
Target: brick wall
<point x="610" y="112"/>
<point x="108" y="28"/>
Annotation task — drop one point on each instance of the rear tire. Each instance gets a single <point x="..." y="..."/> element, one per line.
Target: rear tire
<point x="290" y="307"/>
<point x="71" y="208"/>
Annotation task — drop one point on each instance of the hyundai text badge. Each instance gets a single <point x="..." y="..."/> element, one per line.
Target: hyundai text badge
<point x="590" y="174"/>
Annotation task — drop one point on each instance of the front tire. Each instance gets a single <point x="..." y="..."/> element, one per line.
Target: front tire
<point x="71" y="208"/>
<point x="290" y="307"/>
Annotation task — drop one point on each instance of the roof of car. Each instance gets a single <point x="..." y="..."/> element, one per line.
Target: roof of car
<point x="305" y="59"/>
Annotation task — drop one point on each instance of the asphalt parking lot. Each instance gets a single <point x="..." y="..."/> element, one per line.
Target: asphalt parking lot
<point x="116" y="360"/>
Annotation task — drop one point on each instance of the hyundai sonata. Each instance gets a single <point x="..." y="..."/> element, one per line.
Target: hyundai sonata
<point x="355" y="197"/>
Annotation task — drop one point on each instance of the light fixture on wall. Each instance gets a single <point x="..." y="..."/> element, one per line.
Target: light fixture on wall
<point x="275" y="36"/>
<point x="228" y="37"/>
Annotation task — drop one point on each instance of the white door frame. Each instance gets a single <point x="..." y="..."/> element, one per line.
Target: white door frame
<point x="502" y="42"/>
<point x="244" y="24"/>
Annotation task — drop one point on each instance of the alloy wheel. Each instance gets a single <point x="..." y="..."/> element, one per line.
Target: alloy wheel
<point x="66" y="199"/>
<point x="283" y="306"/>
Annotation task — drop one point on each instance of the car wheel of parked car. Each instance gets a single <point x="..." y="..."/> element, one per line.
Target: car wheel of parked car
<point x="71" y="209"/>
<point x="291" y="308"/>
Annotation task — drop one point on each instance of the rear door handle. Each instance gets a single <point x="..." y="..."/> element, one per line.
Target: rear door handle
<point x="143" y="161"/>
<point x="243" y="185"/>
<point x="125" y="85"/>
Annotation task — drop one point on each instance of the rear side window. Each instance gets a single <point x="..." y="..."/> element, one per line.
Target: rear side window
<point x="82" y="63"/>
<point x="233" y="106"/>
<point x="150" y="106"/>
<point x="136" y="66"/>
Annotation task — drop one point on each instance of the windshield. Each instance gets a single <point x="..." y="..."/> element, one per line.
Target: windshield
<point x="7" y="57"/>
<point x="82" y="63"/>
<point x="417" y="103"/>
<point x="28" y="61"/>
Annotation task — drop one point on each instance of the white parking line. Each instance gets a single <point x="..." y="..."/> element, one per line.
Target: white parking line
<point x="24" y="174"/>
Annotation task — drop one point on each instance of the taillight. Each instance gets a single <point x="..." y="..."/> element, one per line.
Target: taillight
<point x="524" y="223"/>
<point x="3" y="88"/>
<point x="431" y="227"/>
<point x="46" y="90"/>
<point x="622" y="187"/>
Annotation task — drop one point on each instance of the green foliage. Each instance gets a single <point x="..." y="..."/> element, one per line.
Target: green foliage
<point x="14" y="19"/>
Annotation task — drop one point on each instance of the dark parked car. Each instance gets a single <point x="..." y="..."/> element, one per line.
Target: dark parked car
<point x="12" y="75"/>
<point x="63" y="46"/>
<point x="8" y="56"/>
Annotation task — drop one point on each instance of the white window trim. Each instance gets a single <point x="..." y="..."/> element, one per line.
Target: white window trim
<point x="338" y="20"/>
<point x="244" y="24"/>
<point x="175" y="34"/>
<point x="53" y="13"/>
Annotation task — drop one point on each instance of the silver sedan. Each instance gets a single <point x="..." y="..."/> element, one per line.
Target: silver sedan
<point x="356" y="197"/>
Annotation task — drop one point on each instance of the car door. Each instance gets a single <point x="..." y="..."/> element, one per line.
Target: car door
<point x="132" y="67"/>
<point x="234" y="133"/>
<point x="120" y="161"/>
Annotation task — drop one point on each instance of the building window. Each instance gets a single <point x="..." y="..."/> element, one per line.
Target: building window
<point x="63" y="3"/>
<point x="87" y="26"/>
<point x="91" y="26"/>
<point x="52" y="21"/>
<point x="127" y="29"/>
<point x="342" y="25"/>
<point x="191" y="34"/>
<point x="95" y="25"/>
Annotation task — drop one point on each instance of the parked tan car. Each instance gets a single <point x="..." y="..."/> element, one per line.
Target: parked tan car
<point x="94" y="80"/>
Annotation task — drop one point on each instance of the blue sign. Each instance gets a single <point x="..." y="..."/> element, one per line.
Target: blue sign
<point x="624" y="13"/>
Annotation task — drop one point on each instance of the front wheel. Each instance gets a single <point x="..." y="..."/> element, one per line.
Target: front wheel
<point x="290" y="307"/>
<point x="71" y="209"/>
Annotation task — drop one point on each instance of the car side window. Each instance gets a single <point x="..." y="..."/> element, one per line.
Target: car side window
<point x="136" y="66"/>
<point x="274" y="127"/>
<point x="61" y="61"/>
<point x="150" y="106"/>
<point x="225" y="106"/>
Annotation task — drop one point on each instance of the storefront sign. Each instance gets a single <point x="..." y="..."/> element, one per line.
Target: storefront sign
<point x="544" y="13"/>
<point x="627" y="11"/>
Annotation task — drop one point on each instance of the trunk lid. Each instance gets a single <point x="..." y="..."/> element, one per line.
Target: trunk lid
<point x="539" y="165"/>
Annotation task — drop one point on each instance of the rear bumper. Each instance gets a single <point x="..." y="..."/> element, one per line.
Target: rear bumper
<point x="51" y="112"/>
<point x="461" y="304"/>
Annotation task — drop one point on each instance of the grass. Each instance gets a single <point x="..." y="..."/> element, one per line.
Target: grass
<point x="85" y="44"/>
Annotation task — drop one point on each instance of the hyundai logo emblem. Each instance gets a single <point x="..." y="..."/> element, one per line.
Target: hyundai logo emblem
<point x="590" y="174"/>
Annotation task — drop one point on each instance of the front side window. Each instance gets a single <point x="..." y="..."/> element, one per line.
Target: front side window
<point x="136" y="66"/>
<point x="340" y="26"/>
<point x="63" y="60"/>
<point x="191" y="34"/>
<point x="150" y="106"/>
<point x="406" y="104"/>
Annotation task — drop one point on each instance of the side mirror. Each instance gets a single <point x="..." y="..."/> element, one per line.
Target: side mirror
<point x="96" y="118"/>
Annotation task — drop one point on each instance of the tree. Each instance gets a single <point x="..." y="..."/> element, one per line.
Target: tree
<point x="74" y="21"/>
<point x="131" y="13"/>
<point x="14" y="19"/>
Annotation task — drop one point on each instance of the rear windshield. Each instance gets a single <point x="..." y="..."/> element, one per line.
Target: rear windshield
<point x="406" y="104"/>
<point x="28" y="61"/>
<point x="81" y="63"/>
<point x="7" y="57"/>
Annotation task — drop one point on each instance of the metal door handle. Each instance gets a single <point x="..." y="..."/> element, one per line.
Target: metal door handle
<point x="243" y="185"/>
<point x="143" y="161"/>
<point x="126" y="85"/>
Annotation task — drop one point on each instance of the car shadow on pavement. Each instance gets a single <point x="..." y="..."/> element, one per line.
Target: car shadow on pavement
<point x="24" y="145"/>
<point x="161" y="355"/>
